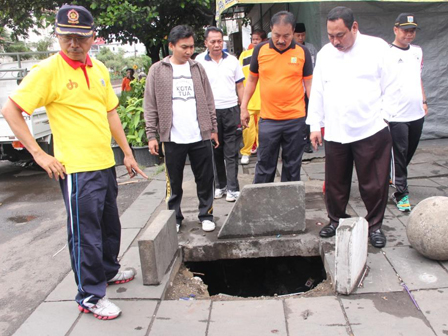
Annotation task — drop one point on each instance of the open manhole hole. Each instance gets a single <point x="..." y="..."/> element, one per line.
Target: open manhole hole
<point x="260" y="276"/>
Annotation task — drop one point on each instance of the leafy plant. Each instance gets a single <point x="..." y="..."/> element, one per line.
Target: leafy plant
<point x="131" y="114"/>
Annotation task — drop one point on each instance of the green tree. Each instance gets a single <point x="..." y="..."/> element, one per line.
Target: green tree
<point x="43" y="44"/>
<point x="149" y="21"/>
<point x="13" y="46"/>
<point x="21" y="16"/>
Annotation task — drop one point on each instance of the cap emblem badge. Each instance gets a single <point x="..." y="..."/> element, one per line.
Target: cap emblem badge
<point x="73" y="16"/>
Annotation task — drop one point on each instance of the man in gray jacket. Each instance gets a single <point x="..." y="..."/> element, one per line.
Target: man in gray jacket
<point x="179" y="106"/>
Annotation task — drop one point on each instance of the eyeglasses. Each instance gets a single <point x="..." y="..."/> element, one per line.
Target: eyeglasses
<point x="75" y="39"/>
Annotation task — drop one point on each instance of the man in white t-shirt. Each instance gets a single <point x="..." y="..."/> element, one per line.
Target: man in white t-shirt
<point x="185" y="121"/>
<point x="408" y="111"/>
<point x="226" y="79"/>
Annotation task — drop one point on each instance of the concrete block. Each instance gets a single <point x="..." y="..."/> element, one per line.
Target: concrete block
<point x="157" y="247"/>
<point x="267" y="209"/>
<point x="350" y="254"/>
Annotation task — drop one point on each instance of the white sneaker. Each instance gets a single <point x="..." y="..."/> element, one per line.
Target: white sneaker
<point x="232" y="196"/>
<point x="208" y="226"/>
<point x="103" y="309"/>
<point x="177" y="228"/>
<point x="123" y="276"/>
<point x="245" y="159"/>
<point x="219" y="193"/>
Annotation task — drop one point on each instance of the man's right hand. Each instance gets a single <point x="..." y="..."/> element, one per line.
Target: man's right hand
<point x="245" y="117"/>
<point x="51" y="165"/>
<point x="316" y="139"/>
<point x="153" y="146"/>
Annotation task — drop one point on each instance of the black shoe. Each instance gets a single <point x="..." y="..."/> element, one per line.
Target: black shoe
<point x="308" y="148"/>
<point x="377" y="238"/>
<point x="328" y="231"/>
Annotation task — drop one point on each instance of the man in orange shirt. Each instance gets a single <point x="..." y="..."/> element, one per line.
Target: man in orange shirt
<point x="126" y="83"/>
<point x="283" y="68"/>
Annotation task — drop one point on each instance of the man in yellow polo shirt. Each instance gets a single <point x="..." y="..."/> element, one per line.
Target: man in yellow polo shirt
<point x="80" y="103"/>
<point x="250" y="134"/>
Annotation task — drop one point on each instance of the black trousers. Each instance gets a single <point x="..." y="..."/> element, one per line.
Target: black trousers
<point x="201" y="161"/>
<point x="307" y="127"/>
<point x="226" y="155"/>
<point x="94" y="230"/>
<point x="273" y="134"/>
<point x="405" y="139"/>
<point x="371" y="157"/>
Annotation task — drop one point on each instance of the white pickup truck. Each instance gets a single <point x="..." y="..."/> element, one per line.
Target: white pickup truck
<point x="11" y="73"/>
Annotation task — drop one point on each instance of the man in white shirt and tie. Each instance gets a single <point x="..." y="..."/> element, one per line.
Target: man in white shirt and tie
<point x="350" y="85"/>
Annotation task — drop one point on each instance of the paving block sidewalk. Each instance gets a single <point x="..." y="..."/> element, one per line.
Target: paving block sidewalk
<point x="380" y="307"/>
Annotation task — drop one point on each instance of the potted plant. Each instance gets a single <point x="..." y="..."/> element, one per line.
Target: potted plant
<point x="131" y="115"/>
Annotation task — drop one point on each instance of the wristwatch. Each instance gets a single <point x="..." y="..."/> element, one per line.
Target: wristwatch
<point x="425" y="102"/>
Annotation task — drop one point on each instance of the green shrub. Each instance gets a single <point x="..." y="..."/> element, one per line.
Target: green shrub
<point x="130" y="111"/>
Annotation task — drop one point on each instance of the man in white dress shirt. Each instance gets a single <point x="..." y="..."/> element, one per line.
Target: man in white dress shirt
<point x="349" y="92"/>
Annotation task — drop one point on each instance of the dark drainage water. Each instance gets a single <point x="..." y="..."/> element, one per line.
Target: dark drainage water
<point x="260" y="276"/>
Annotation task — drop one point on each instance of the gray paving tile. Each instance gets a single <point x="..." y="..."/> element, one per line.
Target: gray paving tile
<point x="127" y="237"/>
<point x="186" y="318"/>
<point x="417" y="271"/>
<point x="419" y="193"/>
<point x="384" y="314"/>
<point x="315" y="316"/>
<point x="401" y="216"/>
<point x="381" y="277"/>
<point x="426" y="169"/>
<point x="444" y="264"/>
<point x="395" y="231"/>
<point x="135" y="289"/>
<point x="433" y="304"/>
<point x="358" y="206"/>
<point x="441" y="181"/>
<point x="442" y="163"/>
<point x="50" y="318"/>
<point x="134" y="320"/>
<point x="247" y="318"/>
<point x="65" y="291"/>
<point x="137" y="215"/>
<point x="425" y="182"/>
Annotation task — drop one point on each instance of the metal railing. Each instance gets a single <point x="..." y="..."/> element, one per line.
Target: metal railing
<point x="21" y="72"/>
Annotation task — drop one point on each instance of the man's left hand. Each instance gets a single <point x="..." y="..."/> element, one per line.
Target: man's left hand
<point x="132" y="167"/>
<point x="214" y="139"/>
<point x="425" y="108"/>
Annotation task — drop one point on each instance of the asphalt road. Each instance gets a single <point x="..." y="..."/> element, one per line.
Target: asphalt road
<point x="33" y="253"/>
